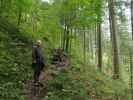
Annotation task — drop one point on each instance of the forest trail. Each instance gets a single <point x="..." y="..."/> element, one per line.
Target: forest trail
<point x="32" y="93"/>
<point x="94" y="37"/>
<point x="37" y="92"/>
<point x="60" y="62"/>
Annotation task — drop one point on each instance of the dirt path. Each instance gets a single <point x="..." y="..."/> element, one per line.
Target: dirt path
<point x="37" y="92"/>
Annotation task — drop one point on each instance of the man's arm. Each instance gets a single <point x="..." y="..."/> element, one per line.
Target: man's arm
<point x="33" y="55"/>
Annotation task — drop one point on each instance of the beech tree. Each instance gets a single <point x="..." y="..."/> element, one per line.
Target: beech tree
<point x="114" y="35"/>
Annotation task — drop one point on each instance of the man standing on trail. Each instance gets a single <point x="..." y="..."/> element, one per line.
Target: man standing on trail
<point x="37" y="60"/>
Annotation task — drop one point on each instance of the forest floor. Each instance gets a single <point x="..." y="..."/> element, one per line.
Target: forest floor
<point x="38" y="92"/>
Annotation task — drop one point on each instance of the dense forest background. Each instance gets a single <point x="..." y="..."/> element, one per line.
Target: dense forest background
<point x="96" y="36"/>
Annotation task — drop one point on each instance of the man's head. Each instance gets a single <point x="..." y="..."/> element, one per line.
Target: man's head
<point x="39" y="43"/>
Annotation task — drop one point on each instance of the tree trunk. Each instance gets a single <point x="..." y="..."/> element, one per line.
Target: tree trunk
<point x="84" y="47"/>
<point x="91" y="43"/>
<point x="19" y="16"/>
<point x="114" y="35"/>
<point x="131" y="63"/>
<point x="99" y="43"/>
<point x="132" y="16"/>
<point x="95" y="49"/>
<point x="67" y="39"/>
<point x="131" y="75"/>
<point x="1" y="6"/>
<point x="64" y="38"/>
<point x="70" y="44"/>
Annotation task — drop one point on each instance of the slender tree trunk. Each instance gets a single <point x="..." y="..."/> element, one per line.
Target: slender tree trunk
<point x="131" y="63"/>
<point x="34" y="24"/>
<point x="1" y="1"/>
<point x="61" y="39"/>
<point x="88" y="39"/>
<point x="132" y="17"/>
<point x="114" y="39"/>
<point x="99" y="42"/>
<point x="1" y="6"/>
<point x="95" y="32"/>
<point x="71" y="34"/>
<point x="64" y="38"/>
<point x="95" y="49"/>
<point x="67" y="39"/>
<point x="131" y="75"/>
<point x="84" y="47"/>
<point x="88" y="43"/>
<point x="19" y="16"/>
<point x="91" y="43"/>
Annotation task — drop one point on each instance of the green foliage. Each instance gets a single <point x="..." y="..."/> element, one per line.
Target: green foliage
<point x="24" y="21"/>
<point x="13" y="67"/>
<point x="82" y="85"/>
<point x="64" y="87"/>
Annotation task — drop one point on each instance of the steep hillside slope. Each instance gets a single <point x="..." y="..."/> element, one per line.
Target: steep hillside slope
<point x="74" y="83"/>
<point x="15" y="62"/>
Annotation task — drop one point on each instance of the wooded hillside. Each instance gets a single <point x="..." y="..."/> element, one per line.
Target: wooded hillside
<point x="87" y="46"/>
